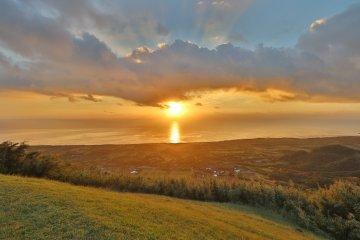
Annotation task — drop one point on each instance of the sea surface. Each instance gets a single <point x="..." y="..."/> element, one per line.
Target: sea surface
<point x="88" y="132"/>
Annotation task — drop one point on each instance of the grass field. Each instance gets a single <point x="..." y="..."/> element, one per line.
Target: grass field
<point x="41" y="209"/>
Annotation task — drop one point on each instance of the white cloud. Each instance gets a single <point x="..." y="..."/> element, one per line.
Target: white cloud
<point x="317" y="23"/>
<point x="162" y="45"/>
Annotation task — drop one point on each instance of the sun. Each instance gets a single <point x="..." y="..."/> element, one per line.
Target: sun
<point x="175" y="109"/>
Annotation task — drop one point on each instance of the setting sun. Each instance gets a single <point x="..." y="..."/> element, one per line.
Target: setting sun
<point x="175" y="109"/>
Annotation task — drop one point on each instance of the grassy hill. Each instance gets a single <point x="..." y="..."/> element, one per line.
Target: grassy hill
<point x="41" y="209"/>
<point x="326" y="158"/>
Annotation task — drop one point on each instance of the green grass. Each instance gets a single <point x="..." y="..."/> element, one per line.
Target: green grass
<point x="41" y="209"/>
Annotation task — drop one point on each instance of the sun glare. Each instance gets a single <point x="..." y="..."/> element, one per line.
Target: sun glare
<point x="175" y="109"/>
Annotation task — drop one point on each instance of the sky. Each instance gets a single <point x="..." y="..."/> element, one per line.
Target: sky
<point x="128" y="58"/>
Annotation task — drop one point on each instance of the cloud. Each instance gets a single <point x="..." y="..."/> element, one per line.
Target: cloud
<point x="317" y="23"/>
<point x="338" y="34"/>
<point x="91" y="98"/>
<point x="162" y="45"/>
<point x="3" y="60"/>
<point x="32" y="35"/>
<point x="73" y="97"/>
<point x="127" y="24"/>
<point x="70" y="97"/>
<point x="337" y="44"/>
<point x="69" y="61"/>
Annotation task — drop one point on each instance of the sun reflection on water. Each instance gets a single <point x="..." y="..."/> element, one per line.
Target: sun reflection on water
<point x="174" y="133"/>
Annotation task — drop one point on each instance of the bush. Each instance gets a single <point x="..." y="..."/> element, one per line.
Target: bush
<point x="14" y="159"/>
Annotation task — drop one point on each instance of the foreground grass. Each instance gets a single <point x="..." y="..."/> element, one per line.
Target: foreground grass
<point x="41" y="209"/>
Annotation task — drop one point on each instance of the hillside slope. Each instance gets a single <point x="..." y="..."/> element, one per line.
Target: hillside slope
<point x="41" y="209"/>
<point x="325" y="158"/>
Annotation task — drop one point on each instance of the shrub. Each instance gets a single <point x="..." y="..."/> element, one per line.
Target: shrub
<point x="14" y="159"/>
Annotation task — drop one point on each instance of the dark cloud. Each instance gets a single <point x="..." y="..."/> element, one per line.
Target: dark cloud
<point x="89" y="49"/>
<point x="70" y="97"/>
<point x="73" y="98"/>
<point x="91" y="98"/>
<point x="324" y="66"/>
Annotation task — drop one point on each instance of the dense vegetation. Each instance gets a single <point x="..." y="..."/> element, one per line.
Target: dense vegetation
<point x="334" y="210"/>
<point x="15" y="160"/>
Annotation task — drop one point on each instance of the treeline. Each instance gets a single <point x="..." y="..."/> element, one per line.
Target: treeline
<point x="334" y="210"/>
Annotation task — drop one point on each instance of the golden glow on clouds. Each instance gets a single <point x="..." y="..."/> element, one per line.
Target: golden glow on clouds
<point x="23" y="105"/>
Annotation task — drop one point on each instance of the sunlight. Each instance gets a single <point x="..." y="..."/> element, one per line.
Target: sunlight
<point x="175" y="109"/>
<point x="174" y="133"/>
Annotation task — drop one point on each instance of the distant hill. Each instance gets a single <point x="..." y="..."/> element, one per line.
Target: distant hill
<point x="272" y="159"/>
<point x="326" y="158"/>
<point x="42" y="209"/>
<point x="225" y="154"/>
